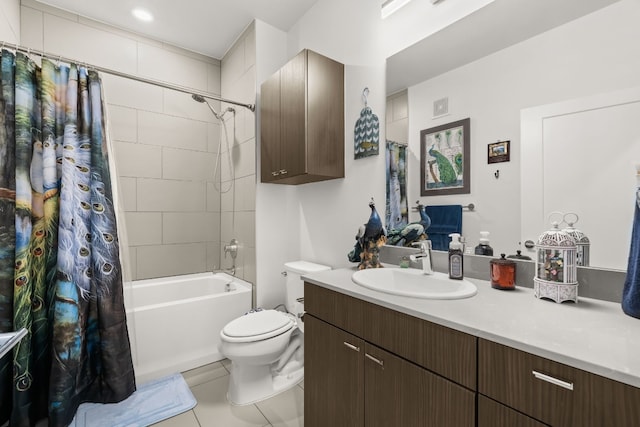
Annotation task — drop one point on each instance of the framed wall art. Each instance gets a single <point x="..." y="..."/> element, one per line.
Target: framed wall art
<point x="499" y="152"/>
<point x="444" y="159"/>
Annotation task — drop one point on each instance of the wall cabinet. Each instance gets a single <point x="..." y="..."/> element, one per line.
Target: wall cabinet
<point x="302" y="121"/>
<point x="350" y="381"/>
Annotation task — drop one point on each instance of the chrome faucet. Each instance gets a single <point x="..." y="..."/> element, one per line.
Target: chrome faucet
<point x="424" y="255"/>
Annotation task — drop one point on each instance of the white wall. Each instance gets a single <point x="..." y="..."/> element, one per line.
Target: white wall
<point x="10" y="21"/>
<point x="596" y="53"/>
<point x="165" y="143"/>
<point x="318" y="222"/>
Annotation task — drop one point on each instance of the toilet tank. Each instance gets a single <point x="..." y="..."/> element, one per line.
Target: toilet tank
<point x="294" y="286"/>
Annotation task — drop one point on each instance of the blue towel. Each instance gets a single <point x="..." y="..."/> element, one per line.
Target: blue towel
<point x="445" y="219"/>
<point x="631" y="291"/>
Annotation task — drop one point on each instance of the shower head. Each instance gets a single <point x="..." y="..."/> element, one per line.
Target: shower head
<point x="198" y="98"/>
<point x="201" y="99"/>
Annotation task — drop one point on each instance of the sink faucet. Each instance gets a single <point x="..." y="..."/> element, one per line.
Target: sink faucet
<point x="424" y="254"/>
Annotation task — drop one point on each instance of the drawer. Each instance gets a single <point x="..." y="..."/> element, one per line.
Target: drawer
<point x="442" y="350"/>
<point x="552" y="392"/>
<point x="494" y="414"/>
<point x="335" y="308"/>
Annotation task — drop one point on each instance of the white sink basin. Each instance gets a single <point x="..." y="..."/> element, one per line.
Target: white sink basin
<point x="411" y="282"/>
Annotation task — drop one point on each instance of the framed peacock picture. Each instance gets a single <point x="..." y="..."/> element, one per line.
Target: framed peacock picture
<point x="444" y="159"/>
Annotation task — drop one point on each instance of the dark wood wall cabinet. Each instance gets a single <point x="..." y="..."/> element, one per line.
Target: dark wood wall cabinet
<point x="302" y="121"/>
<point x="369" y="366"/>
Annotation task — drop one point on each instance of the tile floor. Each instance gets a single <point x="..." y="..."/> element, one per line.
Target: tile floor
<point x="209" y="386"/>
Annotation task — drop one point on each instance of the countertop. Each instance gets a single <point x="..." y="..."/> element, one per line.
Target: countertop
<point x="592" y="335"/>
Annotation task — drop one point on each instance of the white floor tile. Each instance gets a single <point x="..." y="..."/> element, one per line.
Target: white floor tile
<point x="186" y="419"/>
<point x="204" y="374"/>
<point x="213" y="410"/>
<point x="285" y="409"/>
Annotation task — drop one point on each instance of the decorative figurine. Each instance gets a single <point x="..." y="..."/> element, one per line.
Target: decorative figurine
<point x="370" y="237"/>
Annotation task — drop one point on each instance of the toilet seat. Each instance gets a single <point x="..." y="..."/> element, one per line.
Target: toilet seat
<point x="257" y="326"/>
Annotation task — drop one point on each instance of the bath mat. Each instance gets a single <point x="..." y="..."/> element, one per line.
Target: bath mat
<point x="153" y="402"/>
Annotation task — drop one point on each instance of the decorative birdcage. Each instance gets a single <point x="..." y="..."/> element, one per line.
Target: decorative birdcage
<point x="582" y="241"/>
<point x="556" y="265"/>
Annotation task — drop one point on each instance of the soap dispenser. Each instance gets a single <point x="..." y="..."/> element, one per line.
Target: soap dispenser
<point x="483" y="247"/>
<point x="456" y="264"/>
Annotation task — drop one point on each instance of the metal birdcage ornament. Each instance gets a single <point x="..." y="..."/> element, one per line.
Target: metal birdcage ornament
<point x="581" y="239"/>
<point x="556" y="265"/>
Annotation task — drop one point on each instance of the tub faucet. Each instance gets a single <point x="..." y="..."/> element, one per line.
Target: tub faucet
<point x="424" y="254"/>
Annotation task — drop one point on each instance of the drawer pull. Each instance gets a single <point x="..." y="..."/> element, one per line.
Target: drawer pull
<point x="351" y="346"/>
<point x="552" y="380"/>
<point x="378" y="361"/>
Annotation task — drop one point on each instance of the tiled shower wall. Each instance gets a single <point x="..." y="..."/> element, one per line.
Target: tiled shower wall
<point x="238" y="205"/>
<point x="165" y="143"/>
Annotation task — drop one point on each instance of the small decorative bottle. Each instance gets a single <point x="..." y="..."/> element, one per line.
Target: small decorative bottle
<point x="456" y="261"/>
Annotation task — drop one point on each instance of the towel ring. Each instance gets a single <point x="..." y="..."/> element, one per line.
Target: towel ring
<point x="365" y="94"/>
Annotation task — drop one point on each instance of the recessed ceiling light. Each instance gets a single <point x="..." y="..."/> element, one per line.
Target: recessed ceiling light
<point x="142" y="15"/>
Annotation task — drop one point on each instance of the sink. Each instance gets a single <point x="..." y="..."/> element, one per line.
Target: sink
<point x="411" y="282"/>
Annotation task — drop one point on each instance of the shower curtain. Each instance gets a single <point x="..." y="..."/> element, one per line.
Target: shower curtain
<point x="60" y="272"/>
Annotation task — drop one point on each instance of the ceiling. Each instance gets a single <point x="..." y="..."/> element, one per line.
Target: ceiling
<point x="209" y="27"/>
<point x="501" y="23"/>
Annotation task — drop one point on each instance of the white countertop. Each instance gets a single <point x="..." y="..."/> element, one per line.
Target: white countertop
<point x="592" y="335"/>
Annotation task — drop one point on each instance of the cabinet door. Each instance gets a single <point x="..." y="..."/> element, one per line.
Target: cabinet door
<point x="270" y="129"/>
<point x="399" y="393"/>
<point x="333" y="369"/>
<point x="293" y="120"/>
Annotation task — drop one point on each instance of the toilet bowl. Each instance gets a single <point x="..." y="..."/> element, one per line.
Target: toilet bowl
<point x="266" y="347"/>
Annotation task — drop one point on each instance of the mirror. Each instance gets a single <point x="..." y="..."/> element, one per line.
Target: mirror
<point x="541" y="55"/>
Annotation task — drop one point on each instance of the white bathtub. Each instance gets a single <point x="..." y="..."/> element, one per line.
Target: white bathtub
<point x="175" y="322"/>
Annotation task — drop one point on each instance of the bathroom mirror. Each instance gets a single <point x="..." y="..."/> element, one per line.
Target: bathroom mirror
<point x="541" y="54"/>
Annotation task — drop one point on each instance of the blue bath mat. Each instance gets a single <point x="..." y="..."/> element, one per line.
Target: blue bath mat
<point x="153" y="402"/>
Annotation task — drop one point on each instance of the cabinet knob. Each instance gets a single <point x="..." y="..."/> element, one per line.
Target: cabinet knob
<point x="552" y="380"/>
<point x="375" y="359"/>
<point x="351" y="346"/>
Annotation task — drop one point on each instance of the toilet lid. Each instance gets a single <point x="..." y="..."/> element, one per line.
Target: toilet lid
<point x="258" y="326"/>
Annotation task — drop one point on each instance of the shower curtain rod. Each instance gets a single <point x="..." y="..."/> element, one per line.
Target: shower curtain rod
<point x="160" y="83"/>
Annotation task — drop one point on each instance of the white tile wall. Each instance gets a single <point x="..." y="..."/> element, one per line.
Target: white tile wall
<point x="165" y="143"/>
<point x="144" y="228"/>
<point x="170" y="131"/>
<point x="186" y="227"/>
<point x="163" y="195"/>
<point x="187" y="164"/>
<point x="169" y="260"/>
<point x="138" y="160"/>
<point x="238" y="205"/>
<point x="123" y="123"/>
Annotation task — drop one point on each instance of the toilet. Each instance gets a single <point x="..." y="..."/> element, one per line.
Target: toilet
<point x="266" y="347"/>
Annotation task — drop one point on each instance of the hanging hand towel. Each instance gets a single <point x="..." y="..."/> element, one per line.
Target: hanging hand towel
<point x="445" y="219"/>
<point x="631" y="291"/>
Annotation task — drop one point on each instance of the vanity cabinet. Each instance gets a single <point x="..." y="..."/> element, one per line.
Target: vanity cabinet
<point x="554" y="393"/>
<point x="366" y="365"/>
<point x="302" y="121"/>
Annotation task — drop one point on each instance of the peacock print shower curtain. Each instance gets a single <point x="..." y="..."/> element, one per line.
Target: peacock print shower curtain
<point x="60" y="272"/>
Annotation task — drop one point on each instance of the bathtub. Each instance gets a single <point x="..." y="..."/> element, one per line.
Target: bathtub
<point x="174" y="322"/>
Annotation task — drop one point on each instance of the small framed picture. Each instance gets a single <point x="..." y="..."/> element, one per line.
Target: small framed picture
<point x="499" y="152"/>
